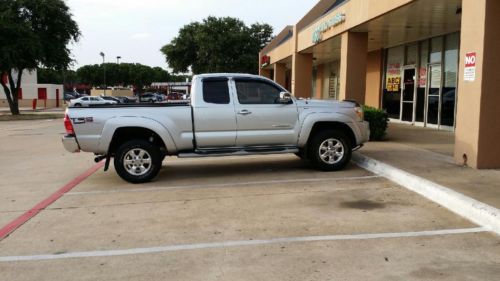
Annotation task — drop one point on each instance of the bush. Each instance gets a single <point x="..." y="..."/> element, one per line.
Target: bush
<point x="378" y="120"/>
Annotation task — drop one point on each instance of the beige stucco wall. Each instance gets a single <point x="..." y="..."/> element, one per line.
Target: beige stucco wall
<point x="353" y="66"/>
<point x="374" y="65"/>
<point x="357" y="12"/>
<point x="477" y="131"/>
<point x="114" y="93"/>
<point x="282" y="52"/>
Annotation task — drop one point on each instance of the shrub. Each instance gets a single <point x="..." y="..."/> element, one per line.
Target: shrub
<point x="378" y="120"/>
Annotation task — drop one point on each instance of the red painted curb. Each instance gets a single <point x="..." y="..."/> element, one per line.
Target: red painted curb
<point x="16" y="223"/>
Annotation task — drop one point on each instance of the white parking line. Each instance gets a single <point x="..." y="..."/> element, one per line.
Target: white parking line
<point x="151" y="189"/>
<point x="185" y="247"/>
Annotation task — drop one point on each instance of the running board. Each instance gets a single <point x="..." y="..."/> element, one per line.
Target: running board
<point x="239" y="152"/>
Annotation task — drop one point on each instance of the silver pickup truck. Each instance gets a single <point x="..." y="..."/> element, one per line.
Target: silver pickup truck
<point x="228" y="115"/>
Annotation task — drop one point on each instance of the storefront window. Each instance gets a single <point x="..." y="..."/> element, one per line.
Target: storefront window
<point x="436" y="62"/>
<point x="412" y="54"/>
<point x="392" y="89"/>
<point x="436" y="49"/>
<point x="450" y="79"/>
<point x="422" y="81"/>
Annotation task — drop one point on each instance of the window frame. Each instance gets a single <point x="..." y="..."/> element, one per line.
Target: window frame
<point x="216" y="79"/>
<point x="269" y="83"/>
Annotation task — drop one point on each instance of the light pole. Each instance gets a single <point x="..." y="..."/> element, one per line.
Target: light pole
<point x="104" y="66"/>
<point x="118" y="59"/>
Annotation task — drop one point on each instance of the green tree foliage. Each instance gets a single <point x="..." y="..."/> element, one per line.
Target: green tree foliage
<point x="52" y="76"/>
<point x="217" y="45"/>
<point x="122" y="74"/>
<point x="33" y="34"/>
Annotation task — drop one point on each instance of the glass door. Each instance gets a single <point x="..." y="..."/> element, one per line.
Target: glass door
<point x="434" y="94"/>
<point x="408" y="98"/>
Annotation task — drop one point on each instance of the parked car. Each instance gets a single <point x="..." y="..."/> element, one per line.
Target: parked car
<point x="174" y="96"/>
<point x="71" y="95"/>
<point x="127" y="99"/>
<point x="229" y="114"/>
<point x="160" y="97"/>
<point x="88" y="101"/>
<point x="148" y="97"/>
<point x="110" y="98"/>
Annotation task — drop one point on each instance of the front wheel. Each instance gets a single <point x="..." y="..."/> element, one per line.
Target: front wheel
<point x="330" y="151"/>
<point x="138" y="161"/>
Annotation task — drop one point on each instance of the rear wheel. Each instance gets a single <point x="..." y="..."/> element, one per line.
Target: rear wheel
<point x="330" y="150"/>
<point x="138" y="161"/>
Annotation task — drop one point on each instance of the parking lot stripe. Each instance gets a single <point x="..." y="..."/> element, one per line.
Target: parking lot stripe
<point x="16" y="223"/>
<point x="151" y="189"/>
<point x="227" y="244"/>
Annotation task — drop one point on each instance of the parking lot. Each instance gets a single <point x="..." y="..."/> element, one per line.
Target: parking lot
<point x="253" y="218"/>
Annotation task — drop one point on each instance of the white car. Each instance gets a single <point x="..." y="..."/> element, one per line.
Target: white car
<point x="87" y="101"/>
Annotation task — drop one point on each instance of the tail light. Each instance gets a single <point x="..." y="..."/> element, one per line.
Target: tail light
<point x="68" y="125"/>
<point x="360" y="112"/>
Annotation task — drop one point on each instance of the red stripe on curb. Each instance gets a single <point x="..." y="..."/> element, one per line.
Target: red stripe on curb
<point x="16" y="223"/>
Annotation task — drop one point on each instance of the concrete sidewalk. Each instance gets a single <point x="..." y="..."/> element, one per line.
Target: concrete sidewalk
<point x="428" y="153"/>
<point x="41" y="110"/>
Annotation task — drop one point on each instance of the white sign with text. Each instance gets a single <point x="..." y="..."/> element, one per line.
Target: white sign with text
<point x="470" y="67"/>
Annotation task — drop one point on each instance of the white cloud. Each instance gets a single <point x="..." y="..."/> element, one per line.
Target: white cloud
<point x="140" y="36"/>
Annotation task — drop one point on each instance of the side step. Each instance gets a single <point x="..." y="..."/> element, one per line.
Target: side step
<point x="239" y="152"/>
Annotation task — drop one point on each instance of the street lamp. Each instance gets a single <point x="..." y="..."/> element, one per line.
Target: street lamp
<point x="104" y="66"/>
<point x="118" y="59"/>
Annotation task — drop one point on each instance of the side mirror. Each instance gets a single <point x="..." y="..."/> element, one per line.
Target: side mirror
<point x="285" y="97"/>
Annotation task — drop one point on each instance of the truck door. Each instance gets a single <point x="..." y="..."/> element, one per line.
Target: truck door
<point x="214" y="116"/>
<point x="261" y="119"/>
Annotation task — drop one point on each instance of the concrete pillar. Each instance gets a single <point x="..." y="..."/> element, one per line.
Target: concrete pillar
<point x="374" y="68"/>
<point x="353" y="56"/>
<point x="302" y="75"/>
<point x="319" y="81"/>
<point x="280" y="74"/>
<point x="477" y="129"/>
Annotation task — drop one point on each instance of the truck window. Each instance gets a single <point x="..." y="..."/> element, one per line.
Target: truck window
<point x="216" y="91"/>
<point x="257" y="92"/>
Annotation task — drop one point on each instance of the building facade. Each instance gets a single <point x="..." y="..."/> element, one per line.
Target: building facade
<point x="429" y="63"/>
<point x="46" y="95"/>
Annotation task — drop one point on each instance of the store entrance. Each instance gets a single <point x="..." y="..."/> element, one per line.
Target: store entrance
<point x="408" y="97"/>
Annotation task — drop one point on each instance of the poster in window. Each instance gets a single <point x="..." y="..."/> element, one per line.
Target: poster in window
<point x="393" y="81"/>
<point x="422" y="81"/>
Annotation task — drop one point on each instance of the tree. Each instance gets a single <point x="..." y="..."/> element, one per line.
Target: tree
<point x="122" y="74"/>
<point x="33" y="34"/>
<point x="217" y="45"/>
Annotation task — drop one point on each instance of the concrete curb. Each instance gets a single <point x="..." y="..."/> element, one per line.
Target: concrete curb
<point x="469" y="208"/>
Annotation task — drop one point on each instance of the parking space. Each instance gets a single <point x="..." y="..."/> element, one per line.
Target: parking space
<point x="253" y="218"/>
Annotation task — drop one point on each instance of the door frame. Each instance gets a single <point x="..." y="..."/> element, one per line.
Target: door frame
<point x="427" y="89"/>
<point x="403" y="69"/>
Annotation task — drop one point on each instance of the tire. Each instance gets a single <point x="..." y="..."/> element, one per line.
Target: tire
<point x="138" y="161"/>
<point x="78" y="105"/>
<point x="330" y="150"/>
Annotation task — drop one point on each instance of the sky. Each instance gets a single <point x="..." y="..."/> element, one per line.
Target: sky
<point x="137" y="29"/>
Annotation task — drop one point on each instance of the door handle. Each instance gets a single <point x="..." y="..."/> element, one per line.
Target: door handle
<point x="244" y="112"/>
